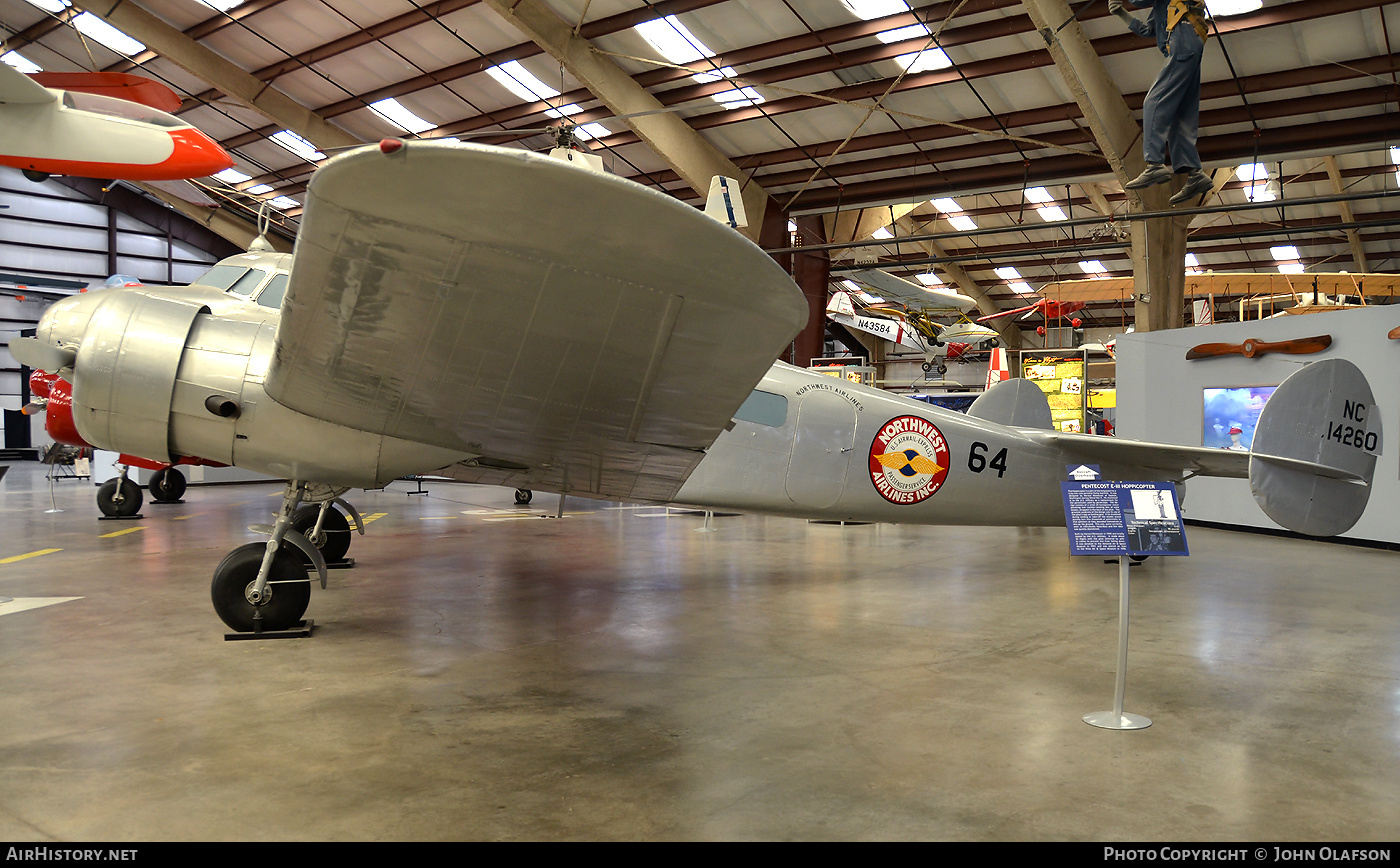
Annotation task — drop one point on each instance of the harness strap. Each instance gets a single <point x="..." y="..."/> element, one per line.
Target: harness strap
<point x="1193" y="11"/>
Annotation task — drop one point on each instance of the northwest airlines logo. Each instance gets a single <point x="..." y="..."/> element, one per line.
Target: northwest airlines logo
<point x="908" y="460"/>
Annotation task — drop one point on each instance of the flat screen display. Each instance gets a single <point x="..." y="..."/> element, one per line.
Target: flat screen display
<point x="1230" y="414"/>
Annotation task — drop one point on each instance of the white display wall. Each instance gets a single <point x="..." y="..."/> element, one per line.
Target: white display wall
<point x="1160" y="398"/>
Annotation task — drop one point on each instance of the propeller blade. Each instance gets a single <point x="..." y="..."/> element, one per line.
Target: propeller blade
<point x="1252" y="347"/>
<point x="41" y="356"/>
<point x="1394" y="334"/>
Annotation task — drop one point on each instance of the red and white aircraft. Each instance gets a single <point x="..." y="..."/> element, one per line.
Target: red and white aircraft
<point x="99" y="125"/>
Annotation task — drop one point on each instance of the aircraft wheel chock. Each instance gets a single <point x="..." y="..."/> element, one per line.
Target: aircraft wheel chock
<point x="334" y="539"/>
<point x="167" y="486"/>
<point x="523" y="496"/>
<point x="288" y="589"/>
<point x="119" y="497"/>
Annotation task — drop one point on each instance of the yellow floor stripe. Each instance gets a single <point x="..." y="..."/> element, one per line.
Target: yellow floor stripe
<point x="190" y="516"/>
<point x="369" y="518"/>
<point x="121" y="532"/>
<point x="30" y="555"/>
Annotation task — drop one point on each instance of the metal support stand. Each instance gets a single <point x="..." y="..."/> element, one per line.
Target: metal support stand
<point x="116" y="517"/>
<point x="707" y="529"/>
<point x="560" y="512"/>
<point x="417" y="480"/>
<point x="1117" y="718"/>
<point x="300" y="631"/>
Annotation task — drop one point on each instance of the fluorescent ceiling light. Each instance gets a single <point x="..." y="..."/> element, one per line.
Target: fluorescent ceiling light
<point x="1284" y="252"/>
<point x="393" y="111"/>
<point x="1051" y="213"/>
<point x="258" y="189"/>
<point x="20" y="62"/>
<point x="221" y="5"/>
<point x="962" y="223"/>
<point x="1225" y="8"/>
<point x="284" y="202"/>
<point x="100" y="31"/>
<point x="1092" y="266"/>
<point x="1252" y="172"/>
<point x="953" y="211"/>
<point x="297" y="145"/>
<point x="947" y="206"/>
<point x="1022" y="287"/>
<point x="929" y="279"/>
<point x="672" y="40"/>
<point x="50" y="5"/>
<point x="1395" y="161"/>
<point x="924" y="61"/>
<point x="520" y="81"/>
<point x="231" y="176"/>
<point x="1006" y="272"/>
<point x="588" y="132"/>
<point x="882" y="232"/>
<point x="852" y="286"/>
<point x="1038" y="195"/>
<point x="899" y="34"/>
<point x="868" y="298"/>
<point x="1290" y="267"/>
<point x="739" y="96"/>
<point x="868" y="9"/>
<point x="1193" y="265"/>
<point x="792" y="226"/>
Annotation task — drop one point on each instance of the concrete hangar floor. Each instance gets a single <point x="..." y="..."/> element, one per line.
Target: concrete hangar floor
<point x="486" y="674"/>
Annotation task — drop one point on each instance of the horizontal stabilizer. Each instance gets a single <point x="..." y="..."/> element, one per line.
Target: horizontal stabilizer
<point x="1017" y="402"/>
<point x="1315" y="449"/>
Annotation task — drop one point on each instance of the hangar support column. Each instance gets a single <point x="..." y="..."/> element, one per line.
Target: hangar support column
<point x="812" y="271"/>
<point x="1159" y="246"/>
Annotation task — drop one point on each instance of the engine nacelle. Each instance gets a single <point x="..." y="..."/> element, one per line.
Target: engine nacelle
<point x="125" y="371"/>
<point x="160" y="377"/>
<point x="58" y="414"/>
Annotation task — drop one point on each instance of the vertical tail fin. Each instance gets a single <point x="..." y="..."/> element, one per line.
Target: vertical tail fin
<point x="725" y="203"/>
<point x="1315" y="449"/>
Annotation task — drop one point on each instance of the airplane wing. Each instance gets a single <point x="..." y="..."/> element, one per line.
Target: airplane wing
<point x="576" y="330"/>
<point x="1154" y="456"/>
<point x="912" y="292"/>
<point x="16" y="87"/>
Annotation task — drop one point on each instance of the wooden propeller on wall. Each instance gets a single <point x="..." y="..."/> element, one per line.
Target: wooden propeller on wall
<point x="1251" y="347"/>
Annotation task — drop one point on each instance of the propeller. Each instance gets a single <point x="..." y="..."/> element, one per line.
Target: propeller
<point x="1253" y="347"/>
<point x="1394" y="334"/>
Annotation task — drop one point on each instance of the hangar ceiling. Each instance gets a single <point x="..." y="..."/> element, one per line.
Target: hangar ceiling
<point x="948" y="119"/>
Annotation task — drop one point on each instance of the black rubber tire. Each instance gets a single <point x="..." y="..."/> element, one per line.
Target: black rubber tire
<point x="167" y="486"/>
<point x="335" y="531"/>
<point x="523" y="496"/>
<point x="131" y="498"/>
<point x="35" y="175"/>
<point x="928" y="366"/>
<point x="286" y="601"/>
<point x="942" y="369"/>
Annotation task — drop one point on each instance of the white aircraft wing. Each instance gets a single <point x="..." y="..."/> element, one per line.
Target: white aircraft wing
<point x="910" y="292"/>
<point x="575" y="329"/>
<point x="16" y="87"/>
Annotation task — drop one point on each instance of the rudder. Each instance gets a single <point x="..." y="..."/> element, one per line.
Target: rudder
<point x="1315" y="449"/>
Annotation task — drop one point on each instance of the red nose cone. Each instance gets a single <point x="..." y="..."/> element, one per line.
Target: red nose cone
<point x="40" y="382"/>
<point x="58" y="416"/>
<point x="1076" y="322"/>
<point x="388" y="146"/>
<point x="1040" y="330"/>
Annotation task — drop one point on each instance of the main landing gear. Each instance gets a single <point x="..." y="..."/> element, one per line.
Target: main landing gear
<point x="167" y="486"/>
<point x="265" y="587"/>
<point x="120" y="497"/>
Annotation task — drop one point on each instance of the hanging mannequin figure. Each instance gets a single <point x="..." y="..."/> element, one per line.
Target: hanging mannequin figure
<point x="1171" y="112"/>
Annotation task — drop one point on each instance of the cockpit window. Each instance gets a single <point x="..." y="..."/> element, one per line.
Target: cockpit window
<point x="276" y="289"/>
<point x="222" y="276"/>
<point x="245" y="285"/>
<point x="120" y="108"/>
<point x="764" y="408"/>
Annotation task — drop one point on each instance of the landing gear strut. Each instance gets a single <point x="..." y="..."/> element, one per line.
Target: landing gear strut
<point x="119" y="497"/>
<point x="265" y="586"/>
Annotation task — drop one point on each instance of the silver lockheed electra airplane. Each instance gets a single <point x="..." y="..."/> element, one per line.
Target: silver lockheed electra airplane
<point x="502" y="317"/>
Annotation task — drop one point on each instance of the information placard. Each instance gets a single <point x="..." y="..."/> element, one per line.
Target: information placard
<point x="1123" y="518"/>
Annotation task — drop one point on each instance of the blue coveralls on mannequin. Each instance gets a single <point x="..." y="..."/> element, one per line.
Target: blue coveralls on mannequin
<point x="1171" y="112"/>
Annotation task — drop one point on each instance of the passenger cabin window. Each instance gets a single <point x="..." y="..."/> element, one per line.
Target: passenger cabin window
<point x="764" y="408"/>
<point x="276" y="289"/>
<point x="245" y="285"/>
<point x="222" y="276"/>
